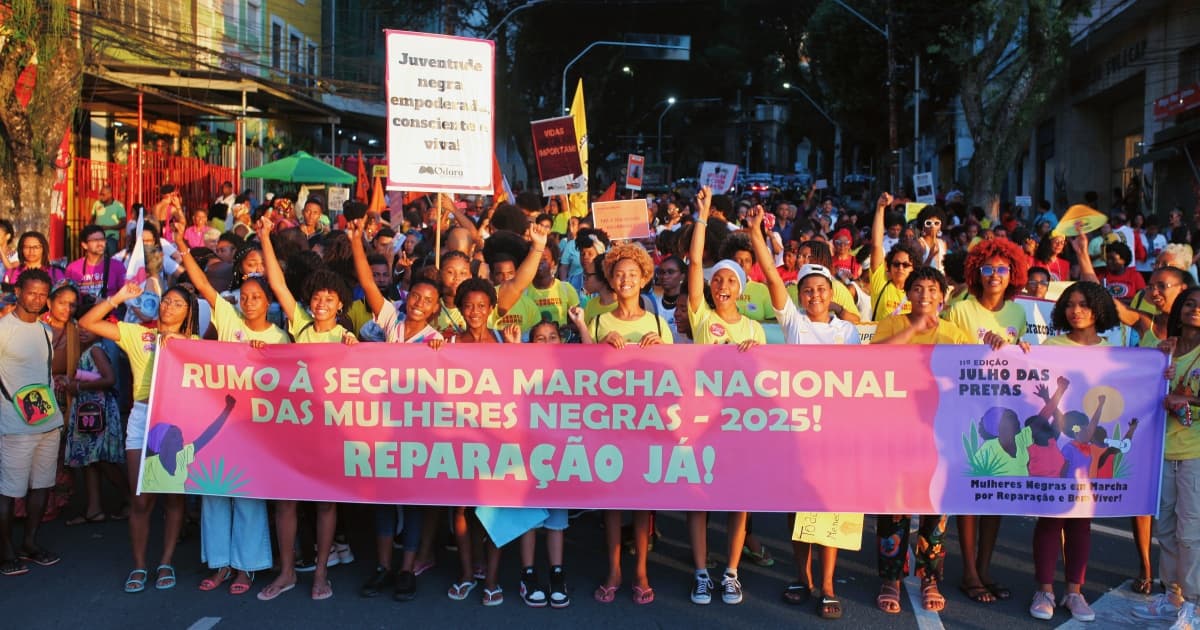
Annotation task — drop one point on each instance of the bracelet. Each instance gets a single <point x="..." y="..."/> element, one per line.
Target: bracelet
<point x="110" y="302"/>
<point x="185" y="252"/>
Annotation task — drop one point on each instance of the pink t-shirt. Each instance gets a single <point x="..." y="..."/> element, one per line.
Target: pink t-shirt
<point x="1045" y="461"/>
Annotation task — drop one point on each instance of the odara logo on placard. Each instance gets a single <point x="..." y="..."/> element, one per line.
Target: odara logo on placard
<point x="439" y="170"/>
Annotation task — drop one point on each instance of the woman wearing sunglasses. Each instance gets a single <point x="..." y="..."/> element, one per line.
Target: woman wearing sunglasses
<point x="889" y="269"/>
<point x="930" y="244"/>
<point x="995" y="271"/>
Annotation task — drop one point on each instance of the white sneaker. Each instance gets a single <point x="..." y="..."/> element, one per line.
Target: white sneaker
<point x="1042" y="606"/>
<point x="1187" y="618"/>
<point x="1080" y="611"/>
<point x="731" y="589"/>
<point x="702" y="590"/>
<point x="344" y="554"/>
<point x="1159" y="608"/>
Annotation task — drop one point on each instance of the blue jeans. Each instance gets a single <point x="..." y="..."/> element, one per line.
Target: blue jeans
<point x="386" y="521"/>
<point x="234" y="533"/>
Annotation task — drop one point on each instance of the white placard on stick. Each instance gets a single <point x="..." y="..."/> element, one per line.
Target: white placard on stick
<point x="923" y="187"/>
<point x="440" y="115"/>
<point x="718" y="176"/>
<point x="622" y="220"/>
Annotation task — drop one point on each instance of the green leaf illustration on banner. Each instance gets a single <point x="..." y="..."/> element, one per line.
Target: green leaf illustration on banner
<point x="981" y="463"/>
<point x="1121" y="468"/>
<point x="217" y="481"/>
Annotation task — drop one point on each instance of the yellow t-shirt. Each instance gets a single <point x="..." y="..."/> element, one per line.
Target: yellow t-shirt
<point x="886" y="298"/>
<point x="947" y="332"/>
<point x="1149" y="339"/>
<point x="449" y="318"/>
<point x="1063" y="340"/>
<point x="1184" y="442"/>
<point x="359" y="314"/>
<point x="155" y="477"/>
<point x="710" y="328"/>
<point x="556" y="300"/>
<point x="524" y="313"/>
<point x="976" y="320"/>
<point x="139" y="344"/>
<point x="593" y="308"/>
<point x="303" y="329"/>
<point x="755" y="302"/>
<point x="841" y="297"/>
<point x="231" y="327"/>
<point x="632" y="331"/>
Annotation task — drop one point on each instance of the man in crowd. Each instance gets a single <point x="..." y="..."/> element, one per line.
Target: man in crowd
<point x="29" y="430"/>
<point x="97" y="273"/>
<point x="109" y="214"/>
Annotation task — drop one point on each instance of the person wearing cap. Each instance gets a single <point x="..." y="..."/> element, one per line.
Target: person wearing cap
<point x="842" y="303"/>
<point x="724" y="324"/>
<point x="845" y="266"/>
<point x="815" y="325"/>
<point x="888" y="269"/>
<point x="925" y="288"/>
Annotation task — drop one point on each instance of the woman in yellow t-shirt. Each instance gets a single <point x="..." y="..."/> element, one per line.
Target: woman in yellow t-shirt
<point x="888" y="269"/>
<point x="177" y="317"/>
<point x="722" y="325"/>
<point x="925" y="289"/>
<point x="234" y="531"/>
<point x="628" y="268"/>
<point x="328" y="295"/>
<point x="996" y="271"/>
<point x="1177" y="523"/>
<point x="551" y="297"/>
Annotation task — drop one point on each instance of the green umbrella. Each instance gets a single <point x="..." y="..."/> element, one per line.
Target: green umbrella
<point x="302" y="168"/>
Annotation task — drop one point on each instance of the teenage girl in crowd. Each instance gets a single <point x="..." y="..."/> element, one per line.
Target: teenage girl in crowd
<point x="816" y="324"/>
<point x="177" y="317"/>
<point x="235" y="535"/>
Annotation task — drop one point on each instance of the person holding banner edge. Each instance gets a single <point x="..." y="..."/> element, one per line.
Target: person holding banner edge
<point x="627" y="268"/>
<point x="723" y="325"/>
<point x="328" y="295"/>
<point x="178" y="314"/>
<point x="925" y="290"/>
<point x="235" y="535"/>
<point x="817" y="324"/>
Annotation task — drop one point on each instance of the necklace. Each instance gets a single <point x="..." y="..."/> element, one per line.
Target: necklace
<point x="669" y="301"/>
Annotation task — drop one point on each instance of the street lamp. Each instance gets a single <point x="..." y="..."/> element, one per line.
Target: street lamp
<point x="670" y="103"/>
<point x="504" y="19"/>
<point x="837" y="133"/>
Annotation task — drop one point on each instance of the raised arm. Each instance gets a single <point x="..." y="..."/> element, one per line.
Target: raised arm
<point x="194" y="272"/>
<point x="508" y="293"/>
<point x="1086" y="271"/>
<point x="1052" y="407"/>
<point x="1095" y="421"/>
<point x="94" y="320"/>
<point x="877" y="253"/>
<point x="287" y="302"/>
<point x="211" y="431"/>
<point x="695" y="277"/>
<point x="462" y="220"/>
<point x="779" y="294"/>
<point x="362" y="269"/>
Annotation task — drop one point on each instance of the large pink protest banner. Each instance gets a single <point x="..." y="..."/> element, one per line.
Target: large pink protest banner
<point x="880" y="429"/>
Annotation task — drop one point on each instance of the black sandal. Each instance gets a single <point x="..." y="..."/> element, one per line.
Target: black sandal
<point x="830" y="607"/>
<point x="797" y="593"/>
<point x="999" y="591"/>
<point x="1142" y="586"/>
<point x="979" y="594"/>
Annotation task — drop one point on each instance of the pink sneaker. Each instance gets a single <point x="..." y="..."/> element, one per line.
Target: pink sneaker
<point x="1080" y="611"/>
<point x="1042" y="606"/>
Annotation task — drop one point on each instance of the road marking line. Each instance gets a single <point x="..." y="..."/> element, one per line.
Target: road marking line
<point x="1114" y="609"/>
<point x="205" y="623"/>
<point x="1118" y="533"/>
<point x="926" y="619"/>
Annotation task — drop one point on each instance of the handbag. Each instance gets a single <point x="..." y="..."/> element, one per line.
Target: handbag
<point x="89" y="418"/>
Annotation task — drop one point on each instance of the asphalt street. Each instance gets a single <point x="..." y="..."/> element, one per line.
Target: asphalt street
<point x="85" y="589"/>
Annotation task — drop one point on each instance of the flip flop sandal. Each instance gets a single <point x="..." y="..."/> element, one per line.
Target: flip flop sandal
<point x="1000" y="591"/>
<point x="459" y="592"/>
<point x="98" y="517"/>
<point x="209" y="584"/>
<point x="40" y="557"/>
<point x="643" y="596"/>
<point x="1142" y="586"/>
<point x="605" y="594"/>
<point x="133" y="583"/>
<point x="165" y="582"/>
<point x="423" y="567"/>
<point x="267" y="594"/>
<point x="319" y="594"/>
<point x="978" y="594"/>
<point x="493" y="597"/>
<point x="797" y="593"/>
<point x="829" y="607"/>
<point x="888" y="599"/>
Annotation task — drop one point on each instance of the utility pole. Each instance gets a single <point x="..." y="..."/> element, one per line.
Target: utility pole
<point x="893" y="133"/>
